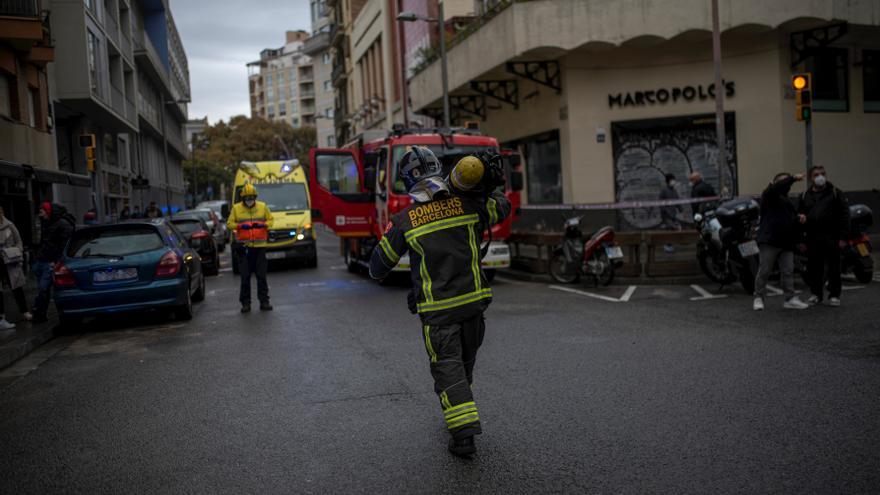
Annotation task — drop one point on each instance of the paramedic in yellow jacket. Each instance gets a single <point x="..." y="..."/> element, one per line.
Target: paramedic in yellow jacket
<point x="251" y="220"/>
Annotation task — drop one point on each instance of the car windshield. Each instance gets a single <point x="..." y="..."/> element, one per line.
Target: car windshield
<point x="116" y="240"/>
<point x="215" y="206"/>
<point x="188" y="227"/>
<point x="283" y="196"/>
<point x="447" y="156"/>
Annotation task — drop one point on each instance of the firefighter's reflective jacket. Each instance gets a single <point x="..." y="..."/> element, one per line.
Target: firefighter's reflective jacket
<point x="251" y="225"/>
<point x="443" y="240"/>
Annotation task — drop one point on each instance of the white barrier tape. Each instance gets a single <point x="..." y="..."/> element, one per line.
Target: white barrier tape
<point x="625" y="205"/>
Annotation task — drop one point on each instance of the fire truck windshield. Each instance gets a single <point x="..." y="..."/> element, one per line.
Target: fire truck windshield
<point x="447" y="156"/>
<point x="282" y="196"/>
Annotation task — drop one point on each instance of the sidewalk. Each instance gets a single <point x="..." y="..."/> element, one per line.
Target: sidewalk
<point x="26" y="336"/>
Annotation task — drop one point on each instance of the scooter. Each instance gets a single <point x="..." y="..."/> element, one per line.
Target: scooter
<point x="726" y="249"/>
<point x="597" y="257"/>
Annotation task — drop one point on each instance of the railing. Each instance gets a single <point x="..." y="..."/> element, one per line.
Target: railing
<point x="19" y="8"/>
<point x="316" y="43"/>
<point x="307" y="95"/>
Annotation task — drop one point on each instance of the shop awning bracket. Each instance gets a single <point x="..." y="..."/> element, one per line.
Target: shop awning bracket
<point x="805" y="44"/>
<point x="505" y="91"/>
<point x="543" y="72"/>
<point x="472" y="104"/>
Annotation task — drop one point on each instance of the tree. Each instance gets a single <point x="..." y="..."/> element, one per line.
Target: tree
<point x="223" y="146"/>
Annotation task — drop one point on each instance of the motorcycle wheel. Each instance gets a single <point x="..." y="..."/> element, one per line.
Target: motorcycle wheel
<point x="561" y="270"/>
<point x="863" y="275"/>
<point x="747" y="274"/>
<point x="607" y="276"/>
<point x="716" y="273"/>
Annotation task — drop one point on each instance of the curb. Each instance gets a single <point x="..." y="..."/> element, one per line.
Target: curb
<point x="26" y="341"/>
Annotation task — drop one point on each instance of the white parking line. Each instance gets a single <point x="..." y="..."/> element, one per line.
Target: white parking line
<point x="704" y="294"/>
<point x="852" y="287"/>
<point x="225" y="270"/>
<point x="624" y="298"/>
<point x="776" y="291"/>
<point x="312" y="284"/>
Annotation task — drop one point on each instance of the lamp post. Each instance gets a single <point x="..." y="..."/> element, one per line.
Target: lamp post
<point x="412" y="17"/>
<point x="719" y="99"/>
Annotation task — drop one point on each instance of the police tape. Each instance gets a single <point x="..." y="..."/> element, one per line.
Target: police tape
<point x="623" y="205"/>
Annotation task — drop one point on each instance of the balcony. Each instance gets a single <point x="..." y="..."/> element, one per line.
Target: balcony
<point x="112" y="28"/>
<point x="19" y="8"/>
<point x="20" y="20"/>
<point x="316" y="44"/>
<point x="149" y="58"/>
<point x="339" y="76"/>
<point x="337" y="35"/>
<point x="307" y="95"/>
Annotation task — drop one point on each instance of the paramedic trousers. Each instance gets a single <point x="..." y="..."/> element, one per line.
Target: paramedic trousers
<point x="452" y="350"/>
<point x="253" y="261"/>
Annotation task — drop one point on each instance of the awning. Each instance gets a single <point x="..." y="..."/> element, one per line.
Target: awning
<point x="79" y="180"/>
<point x="11" y="170"/>
<point x="44" y="175"/>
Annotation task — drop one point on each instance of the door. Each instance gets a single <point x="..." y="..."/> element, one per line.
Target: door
<point x="340" y="199"/>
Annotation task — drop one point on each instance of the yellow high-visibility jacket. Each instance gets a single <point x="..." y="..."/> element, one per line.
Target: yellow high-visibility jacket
<point x="250" y="225"/>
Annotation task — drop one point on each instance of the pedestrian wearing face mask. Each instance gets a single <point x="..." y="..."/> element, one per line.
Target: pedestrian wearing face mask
<point x="824" y="211"/>
<point x="777" y="236"/>
<point x="250" y="220"/>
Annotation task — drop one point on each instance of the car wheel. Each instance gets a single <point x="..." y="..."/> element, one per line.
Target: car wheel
<point x="199" y="294"/>
<point x="185" y="311"/>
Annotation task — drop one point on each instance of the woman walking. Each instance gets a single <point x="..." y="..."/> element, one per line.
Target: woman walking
<point x="11" y="272"/>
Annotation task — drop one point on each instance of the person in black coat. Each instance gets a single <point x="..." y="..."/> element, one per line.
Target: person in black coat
<point x="57" y="227"/>
<point x="824" y="211"/>
<point x="701" y="189"/>
<point x="777" y="236"/>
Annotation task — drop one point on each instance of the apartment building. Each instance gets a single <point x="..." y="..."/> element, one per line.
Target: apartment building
<point x="121" y="74"/>
<point x="282" y="83"/>
<point x="317" y="46"/>
<point x="603" y="102"/>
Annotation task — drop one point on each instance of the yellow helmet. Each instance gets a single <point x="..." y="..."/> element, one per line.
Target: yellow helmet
<point x="467" y="173"/>
<point x="248" y="190"/>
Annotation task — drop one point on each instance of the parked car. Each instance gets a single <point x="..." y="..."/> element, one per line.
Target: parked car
<point x="198" y="234"/>
<point x="136" y="265"/>
<point x="216" y="206"/>
<point x="216" y="226"/>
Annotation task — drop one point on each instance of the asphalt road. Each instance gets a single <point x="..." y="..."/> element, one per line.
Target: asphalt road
<point x="330" y="393"/>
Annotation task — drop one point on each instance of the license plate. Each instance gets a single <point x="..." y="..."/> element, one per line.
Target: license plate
<point x="862" y="248"/>
<point x="275" y="255"/>
<point x="748" y="249"/>
<point x="614" y="252"/>
<point x="115" y="275"/>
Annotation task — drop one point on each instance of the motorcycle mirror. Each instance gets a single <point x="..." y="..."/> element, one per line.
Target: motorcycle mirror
<point x="698" y="218"/>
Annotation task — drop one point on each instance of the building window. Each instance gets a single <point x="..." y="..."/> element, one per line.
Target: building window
<point x="294" y="121"/>
<point x="270" y="94"/>
<point x="871" y="79"/>
<point x="6" y="96"/>
<point x="282" y="109"/>
<point x="271" y="110"/>
<point x="328" y="85"/>
<point x="33" y="102"/>
<point x="830" y="81"/>
<point x="291" y="90"/>
<point x="331" y="141"/>
<point x="292" y="76"/>
<point x="269" y="80"/>
<point x="326" y="58"/>
<point x="91" y="5"/>
<point x="293" y="107"/>
<point x="543" y="166"/>
<point x="328" y="112"/>
<point x="93" y="61"/>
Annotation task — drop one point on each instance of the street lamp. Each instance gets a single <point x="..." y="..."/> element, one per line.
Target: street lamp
<point x="412" y="17"/>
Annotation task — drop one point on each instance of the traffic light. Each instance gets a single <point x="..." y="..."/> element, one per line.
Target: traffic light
<point x="87" y="141"/>
<point x="803" y="89"/>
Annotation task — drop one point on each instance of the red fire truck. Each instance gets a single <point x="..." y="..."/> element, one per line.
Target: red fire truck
<point x="356" y="189"/>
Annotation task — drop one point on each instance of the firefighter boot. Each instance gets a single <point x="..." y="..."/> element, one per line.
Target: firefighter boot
<point x="462" y="447"/>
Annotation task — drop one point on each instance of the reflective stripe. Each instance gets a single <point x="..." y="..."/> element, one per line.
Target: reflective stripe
<point x="475" y="256"/>
<point x="457" y="409"/>
<point x="467" y="419"/>
<point x="456" y="301"/>
<point x="388" y="250"/>
<point x="444" y="400"/>
<point x="428" y="345"/>
<point x="423" y="270"/>
<point x="442" y="225"/>
<point x="461" y="415"/>
<point x="493" y="212"/>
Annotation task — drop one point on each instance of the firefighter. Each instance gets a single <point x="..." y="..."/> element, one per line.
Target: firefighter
<point x="251" y="220"/>
<point x="442" y="230"/>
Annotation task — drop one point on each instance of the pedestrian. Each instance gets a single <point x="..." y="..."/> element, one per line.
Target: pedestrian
<point x="90" y="217"/>
<point x="56" y="228"/>
<point x="701" y="189"/>
<point x="442" y="230"/>
<point x="11" y="271"/>
<point x="137" y="212"/>
<point x="777" y="236"/>
<point x="152" y="211"/>
<point x="669" y="214"/>
<point x="125" y="214"/>
<point x="251" y="220"/>
<point x="824" y="211"/>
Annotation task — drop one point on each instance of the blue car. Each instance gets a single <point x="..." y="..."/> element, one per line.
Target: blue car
<point x="145" y="264"/>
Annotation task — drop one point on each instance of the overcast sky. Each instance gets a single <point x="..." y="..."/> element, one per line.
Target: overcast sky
<point x="221" y="37"/>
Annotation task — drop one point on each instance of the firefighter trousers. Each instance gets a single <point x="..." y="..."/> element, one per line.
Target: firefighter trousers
<point x="452" y="350"/>
<point x="253" y="261"/>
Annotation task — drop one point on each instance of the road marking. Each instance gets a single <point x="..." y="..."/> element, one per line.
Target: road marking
<point x="225" y="270"/>
<point x="704" y="294"/>
<point x="338" y="267"/>
<point x="776" y="291"/>
<point x="852" y="287"/>
<point x="624" y="298"/>
<point x="312" y="284"/>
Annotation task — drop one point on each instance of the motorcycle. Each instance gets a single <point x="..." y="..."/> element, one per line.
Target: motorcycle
<point x="597" y="257"/>
<point x="727" y="249"/>
<point x="855" y="257"/>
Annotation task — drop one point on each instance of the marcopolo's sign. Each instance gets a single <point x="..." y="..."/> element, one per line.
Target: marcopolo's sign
<point x="670" y="95"/>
